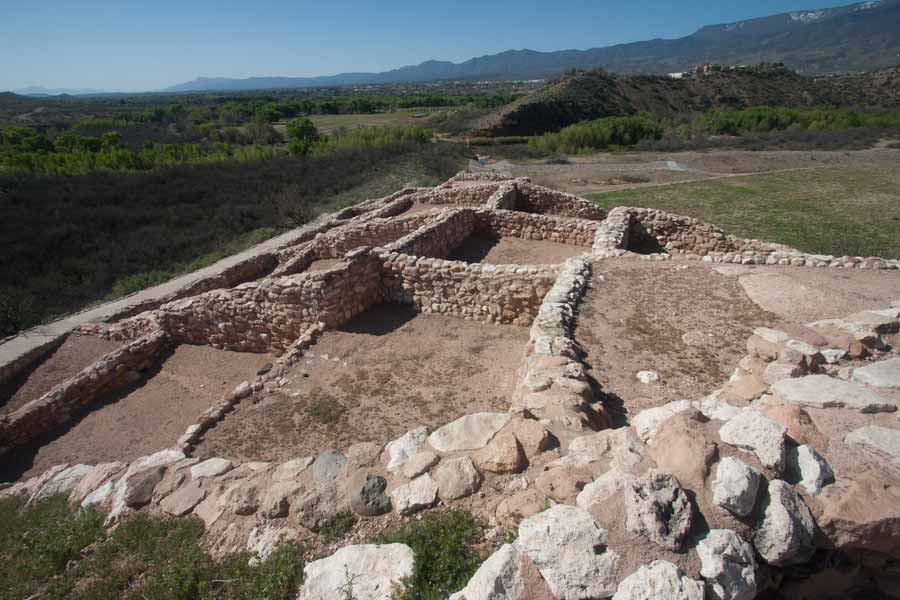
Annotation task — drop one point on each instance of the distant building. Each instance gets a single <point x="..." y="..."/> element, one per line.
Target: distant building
<point x="678" y="75"/>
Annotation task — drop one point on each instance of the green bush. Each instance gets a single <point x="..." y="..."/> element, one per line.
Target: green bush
<point x="598" y="135"/>
<point x="42" y="548"/>
<point x="444" y="553"/>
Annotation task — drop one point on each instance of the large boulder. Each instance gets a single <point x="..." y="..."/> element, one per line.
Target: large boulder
<point x="503" y="454"/>
<point x="884" y="374"/>
<point x="657" y="508"/>
<point x="416" y="495"/>
<point x="735" y="486"/>
<point x="405" y="447"/>
<point x="367" y="496"/>
<point x="367" y="572"/>
<point x="661" y="579"/>
<point x="568" y="546"/>
<point x="809" y="469"/>
<point x="784" y="534"/>
<point x="506" y="575"/>
<point x="755" y="433"/>
<point x="647" y="422"/>
<point x="469" y="432"/>
<point x="883" y="439"/>
<point x="183" y="500"/>
<point x="822" y="391"/>
<point x="727" y="564"/>
<point x="212" y="467"/>
<point x="456" y="478"/>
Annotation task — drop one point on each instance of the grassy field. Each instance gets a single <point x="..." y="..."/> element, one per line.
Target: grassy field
<point x="328" y="123"/>
<point x="852" y="212"/>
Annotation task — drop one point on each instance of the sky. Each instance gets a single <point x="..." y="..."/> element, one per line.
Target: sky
<point x="127" y="45"/>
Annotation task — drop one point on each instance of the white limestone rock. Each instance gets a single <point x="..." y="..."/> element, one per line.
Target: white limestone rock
<point x="727" y="564"/>
<point x="647" y="422"/>
<point x="500" y="577"/>
<point x="779" y="371"/>
<point x="63" y="482"/>
<point x="661" y="579"/>
<point x="97" y="477"/>
<point x="822" y="391"/>
<point x="416" y="495"/>
<point x="568" y="546"/>
<point x="620" y="448"/>
<point x="404" y="447"/>
<point x="773" y="336"/>
<point x="809" y="468"/>
<point x="292" y="469"/>
<point x="211" y="468"/>
<point x="419" y="463"/>
<point x="735" y="486"/>
<point x="648" y="377"/>
<point x="366" y="572"/>
<point x="785" y="533"/>
<point x="755" y="433"/>
<point x="603" y="488"/>
<point x="469" y="432"/>
<point x="456" y="478"/>
<point x="882" y="439"/>
<point x="884" y="374"/>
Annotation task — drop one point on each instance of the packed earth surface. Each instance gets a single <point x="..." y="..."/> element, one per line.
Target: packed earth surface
<point x="634" y="404"/>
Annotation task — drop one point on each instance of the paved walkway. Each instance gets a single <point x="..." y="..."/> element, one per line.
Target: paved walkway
<point x="33" y="339"/>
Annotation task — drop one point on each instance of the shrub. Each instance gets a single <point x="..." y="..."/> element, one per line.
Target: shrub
<point x="337" y="526"/>
<point x="443" y="548"/>
<point x="598" y="135"/>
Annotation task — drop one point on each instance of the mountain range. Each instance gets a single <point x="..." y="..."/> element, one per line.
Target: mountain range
<point x="856" y="37"/>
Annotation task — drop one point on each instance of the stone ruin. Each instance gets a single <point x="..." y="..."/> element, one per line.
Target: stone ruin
<point x="787" y="478"/>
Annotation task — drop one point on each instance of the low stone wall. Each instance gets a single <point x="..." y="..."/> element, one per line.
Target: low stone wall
<point x="371" y="233"/>
<point x="473" y="194"/>
<point x="269" y="315"/>
<point x="10" y="370"/>
<point x="536" y="227"/>
<point x="537" y="199"/>
<point x="505" y="198"/>
<point x="553" y="384"/>
<point x="628" y="227"/>
<point x="114" y="371"/>
<point x="439" y="237"/>
<point x="486" y="293"/>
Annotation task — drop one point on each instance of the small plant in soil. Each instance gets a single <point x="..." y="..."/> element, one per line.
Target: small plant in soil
<point x="337" y="526"/>
<point x="444" y="547"/>
<point x="325" y="410"/>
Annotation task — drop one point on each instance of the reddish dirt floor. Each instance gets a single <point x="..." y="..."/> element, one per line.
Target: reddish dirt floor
<point x="804" y="295"/>
<point x="146" y="419"/>
<point x="513" y="251"/>
<point x="385" y="372"/>
<point x="75" y="354"/>
<point x="681" y="319"/>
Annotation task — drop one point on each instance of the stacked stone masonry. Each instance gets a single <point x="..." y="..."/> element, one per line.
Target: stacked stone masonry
<point x="556" y="429"/>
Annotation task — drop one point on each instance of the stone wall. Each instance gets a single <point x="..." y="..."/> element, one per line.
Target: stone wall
<point x="473" y="194"/>
<point x="371" y="233"/>
<point x="553" y="384"/>
<point x="536" y="227"/>
<point x="269" y="315"/>
<point x="114" y="371"/>
<point x="487" y="293"/>
<point x="505" y="198"/>
<point x="439" y="237"/>
<point x="538" y="199"/>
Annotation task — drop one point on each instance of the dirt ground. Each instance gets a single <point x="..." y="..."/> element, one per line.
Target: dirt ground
<point x="385" y="372"/>
<point x="513" y="251"/>
<point x="681" y="319"/>
<point x="606" y="172"/>
<point x="323" y="264"/>
<point x="75" y="354"/>
<point x="147" y="418"/>
<point x="803" y="295"/>
<point x="421" y="207"/>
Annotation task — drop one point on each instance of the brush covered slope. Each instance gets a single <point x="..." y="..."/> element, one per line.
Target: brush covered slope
<point x="594" y="94"/>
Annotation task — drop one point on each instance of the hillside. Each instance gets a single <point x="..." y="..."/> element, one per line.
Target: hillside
<point x="856" y="37"/>
<point x="594" y="94"/>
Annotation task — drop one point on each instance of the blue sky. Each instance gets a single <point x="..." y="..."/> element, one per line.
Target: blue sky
<point x="139" y="45"/>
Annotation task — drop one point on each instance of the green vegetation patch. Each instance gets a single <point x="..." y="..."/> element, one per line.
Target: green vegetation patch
<point x="850" y="212"/>
<point x="446" y="559"/>
<point x="52" y="551"/>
